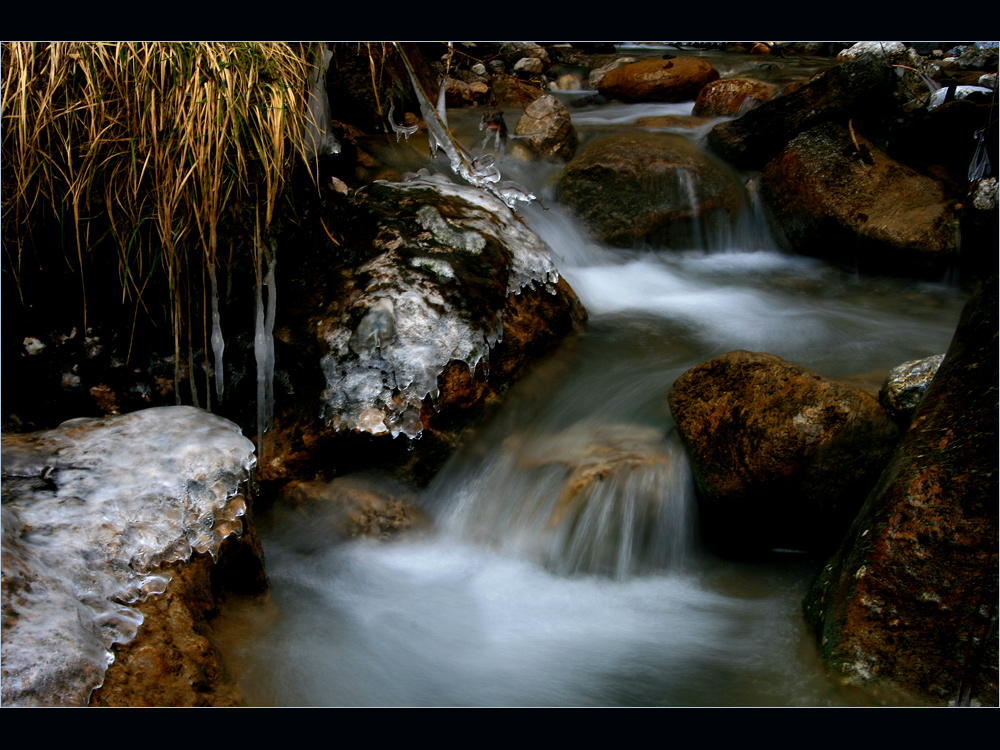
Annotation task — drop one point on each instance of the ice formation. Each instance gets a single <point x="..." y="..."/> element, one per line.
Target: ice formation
<point x="90" y="510"/>
<point x="386" y="351"/>
<point x="264" y="347"/>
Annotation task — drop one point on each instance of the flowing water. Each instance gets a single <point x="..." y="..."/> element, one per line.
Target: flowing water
<point x="564" y="568"/>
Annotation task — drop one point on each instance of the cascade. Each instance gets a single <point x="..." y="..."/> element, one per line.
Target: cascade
<point x="563" y="567"/>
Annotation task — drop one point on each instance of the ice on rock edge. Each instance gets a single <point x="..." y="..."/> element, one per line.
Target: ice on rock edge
<point x="91" y="509"/>
<point x="379" y="373"/>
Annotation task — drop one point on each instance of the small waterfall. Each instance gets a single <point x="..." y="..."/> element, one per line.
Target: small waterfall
<point x="614" y="500"/>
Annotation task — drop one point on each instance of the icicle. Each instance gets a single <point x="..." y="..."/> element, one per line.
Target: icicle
<point x="401" y="130"/>
<point x="264" y="348"/>
<point x="483" y="174"/>
<point x="218" y="342"/>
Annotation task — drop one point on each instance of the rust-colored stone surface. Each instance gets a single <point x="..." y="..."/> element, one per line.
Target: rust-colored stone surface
<point x="864" y="210"/>
<point x="907" y="607"/>
<point x="675" y="80"/>
<point x="782" y="457"/>
<point x="731" y="97"/>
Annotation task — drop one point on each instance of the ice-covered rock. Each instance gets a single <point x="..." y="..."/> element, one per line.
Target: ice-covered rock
<point x="90" y="510"/>
<point x="433" y="295"/>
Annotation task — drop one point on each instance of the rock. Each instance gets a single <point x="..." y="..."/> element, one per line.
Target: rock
<point x="910" y="67"/>
<point x="526" y="50"/>
<point x="862" y="86"/>
<point x="529" y="66"/>
<point x="732" y="97"/>
<point x="670" y="122"/>
<point x="550" y="129"/>
<point x="637" y="187"/>
<point x="781" y="456"/>
<point x="907" y="606"/>
<point x="596" y="75"/>
<point x="353" y="506"/>
<point x="513" y="92"/>
<point x="446" y="303"/>
<point x="618" y="503"/>
<point x="567" y="82"/>
<point x="459" y="93"/>
<point x="865" y="211"/>
<point x="93" y="513"/>
<point x="675" y="80"/>
<point x="905" y="386"/>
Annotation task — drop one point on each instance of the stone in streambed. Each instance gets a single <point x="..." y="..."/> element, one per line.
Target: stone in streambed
<point x="907" y="606"/>
<point x="782" y="457"/>
<point x="650" y="187"/>
<point x="863" y="210"/>
<point x="662" y="80"/>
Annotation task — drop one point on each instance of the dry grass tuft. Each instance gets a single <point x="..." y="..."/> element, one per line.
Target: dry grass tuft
<point x="154" y="140"/>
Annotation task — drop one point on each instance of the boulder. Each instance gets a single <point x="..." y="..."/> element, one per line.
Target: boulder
<point x="907" y="606"/>
<point x="95" y="513"/>
<point x="450" y="299"/>
<point x="859" y="207"/>
<point x="547" y="129"/>
<point x="732" y="97"/>
<point x="782" y="457"/>
<point x="596" y="75"/>
<point x="676" y="79"/>
<point x="910" y="66"/>
<point x="862" y="87"/>
<point x="650" y="187"/>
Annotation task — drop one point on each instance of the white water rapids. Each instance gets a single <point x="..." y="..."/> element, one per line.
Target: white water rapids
<point x="515" y="600"/>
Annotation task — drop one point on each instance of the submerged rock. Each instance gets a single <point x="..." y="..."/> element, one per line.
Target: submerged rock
<point x="857" y="206"/>
<point x="91" y="511"/>
<point x="907" y="607"/>
<point x="352" y="506"/>
<point x="652" y="187"/>
<point x="782" y="457"/>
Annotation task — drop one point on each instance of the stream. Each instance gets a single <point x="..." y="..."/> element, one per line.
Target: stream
<point x="523" y="594"/>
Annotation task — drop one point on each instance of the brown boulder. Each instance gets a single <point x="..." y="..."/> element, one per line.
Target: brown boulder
<point x="861" y="87"/>
<point x="732" y="97"/>
<point x="781" y="456"/>
<point x="863" y="210"/>
<point x="675" y="80"/>
<point x="634" y="187"/>
<point x="907" y="606"/>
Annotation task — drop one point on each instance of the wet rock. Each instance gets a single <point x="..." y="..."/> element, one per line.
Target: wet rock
<point x="353" y="506"/>
<point x="508" y="91"/>
<point x="677" y="79"/>
<point x="597" y="75"/>
<point x="732" y="97"/>
<point x="907" y="606"/>
<point x="638" y="186"/>
<point x="94" y="512"/>
<point x="451" y="301"/>
<point x="859" y="207"/>
<point x="910" y="67"/>
<point x="861" y="87"/>
<point x="905" y="386"/>
<point x="781" y="456"/>
<point x="549" y="129"/>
